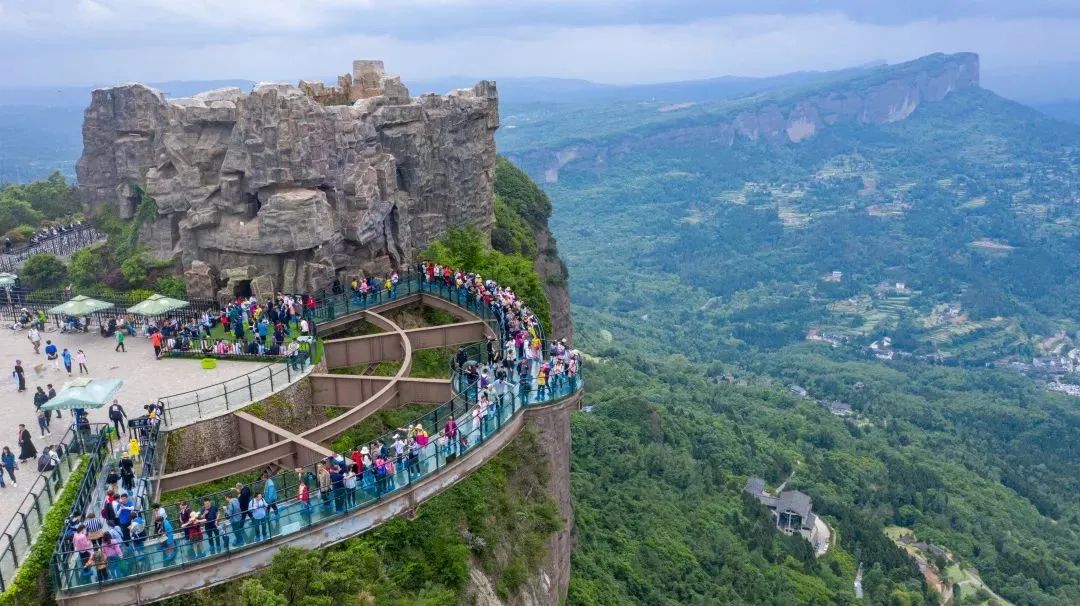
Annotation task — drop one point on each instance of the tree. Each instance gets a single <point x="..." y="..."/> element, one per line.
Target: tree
<point x="15" y="212"/>
<point x="43" y="271"/>
<point x="134" y="270"/>
<point x="85" y="267"/>
<point x="252" y="593"/>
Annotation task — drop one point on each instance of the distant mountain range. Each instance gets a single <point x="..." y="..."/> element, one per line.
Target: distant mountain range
<point x="40" y="127"/>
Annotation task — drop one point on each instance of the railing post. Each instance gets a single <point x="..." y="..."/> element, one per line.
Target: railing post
<point x="198" y="407"/>
<point x="251" y="394"/>
<point x="225" y="389"/>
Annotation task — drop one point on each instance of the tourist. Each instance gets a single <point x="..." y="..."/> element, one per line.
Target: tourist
<point x="80" y="357"/>
<point x="303" y="497"/>
<point x="117" y="416"/>
<point x="350" y="488"/>
<point x="243" y="492"/>
<point x="120" y="341"/>
<point x="51" y="353"/>
<point x="450" y="430"/>
<point x="236" y="520"/>
<point x="124" y="515"/>
<point x="210" y="518"/>
<point x="194" y="534"/>
<point x="7" y="459"/>
<point x="156" y="340"/>
<point x="100" y="562"/>
<point x="52" y="394"/>
<point x="259" y="511"/>
<point x="112" y="481"/>
<point x="40" y="398"/>
<point x="133" y="447"/>
<point x="324" y="484"/>
<point x="82" y="544"/>
<point x="35" y="338"/>
<point x="27" y="451"/>
<point x="114" y="552"/>
<point x="20" y="375"/>
<point x="127" y="472"/>
<point x="270" y="493"/>
<point x="168" y="550"/>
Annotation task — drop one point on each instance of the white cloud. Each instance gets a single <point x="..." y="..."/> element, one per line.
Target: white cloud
<point x="285" y="40"/>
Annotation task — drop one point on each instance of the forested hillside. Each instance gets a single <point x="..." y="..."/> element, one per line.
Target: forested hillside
<point x="731" y="291"/>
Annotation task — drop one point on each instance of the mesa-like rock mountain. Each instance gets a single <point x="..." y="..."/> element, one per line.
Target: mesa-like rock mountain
<point x="279" y="188"/>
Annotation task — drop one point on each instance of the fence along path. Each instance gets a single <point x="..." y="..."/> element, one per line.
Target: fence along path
<point x="440" y="464"/>
<point x="61" y="245"/>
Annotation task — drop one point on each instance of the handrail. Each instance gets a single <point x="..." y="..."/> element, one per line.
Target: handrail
<point x="240" y="385"/>
<point x="476" y="428"/>
<point x="48" y="484"/>
<point x="147" y="556"/>
<point x="60" y="243"/>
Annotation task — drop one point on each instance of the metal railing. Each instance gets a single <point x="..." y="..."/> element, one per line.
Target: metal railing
<point x="289" y="515"/>
<point x="233" y="393"/>
<point x="22" y="530"/>
<point x="475" y="427"/>
<point x="61" y="244"/>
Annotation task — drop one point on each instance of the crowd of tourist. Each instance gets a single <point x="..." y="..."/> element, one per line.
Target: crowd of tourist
<point x="492" y="379"/>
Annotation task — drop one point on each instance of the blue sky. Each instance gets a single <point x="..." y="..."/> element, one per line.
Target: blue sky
<point x="45" y="42"/>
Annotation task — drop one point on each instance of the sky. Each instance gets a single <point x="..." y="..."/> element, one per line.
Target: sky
<point x="78" y="42"/>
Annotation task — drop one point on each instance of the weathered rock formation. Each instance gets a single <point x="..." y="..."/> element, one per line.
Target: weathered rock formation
<point x="882" y="95"/>
<point x="283" y="187"/>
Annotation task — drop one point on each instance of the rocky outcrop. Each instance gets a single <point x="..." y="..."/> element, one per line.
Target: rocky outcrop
<point x="880" y="96"/>
<point x="292" y="184"/>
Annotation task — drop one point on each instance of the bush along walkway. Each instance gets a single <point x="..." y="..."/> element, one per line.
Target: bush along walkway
<point x="33" y="582"/>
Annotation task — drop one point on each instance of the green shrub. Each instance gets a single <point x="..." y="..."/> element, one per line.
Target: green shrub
<point x="20" y="234"/>
<point x="171" y="286"/>
<point x="43" y="271"/>
<point x="134" y="270"/>
<point x="85" y="267"/>
<point x="33" y="581"/>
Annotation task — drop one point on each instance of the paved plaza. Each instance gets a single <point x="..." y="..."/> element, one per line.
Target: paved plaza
<point x="145" y="381"/>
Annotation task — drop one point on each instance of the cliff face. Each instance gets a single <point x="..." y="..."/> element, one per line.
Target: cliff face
<point x="275" y="190"/>
<point x="879" y="96"/>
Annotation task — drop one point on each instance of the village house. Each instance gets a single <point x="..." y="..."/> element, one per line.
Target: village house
<point x="792" y="512"/>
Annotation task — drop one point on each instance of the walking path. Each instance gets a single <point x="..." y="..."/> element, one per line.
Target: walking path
<point x="145" y="380"/>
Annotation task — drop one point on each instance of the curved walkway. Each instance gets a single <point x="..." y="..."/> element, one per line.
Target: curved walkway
<point x="161" y="570"/>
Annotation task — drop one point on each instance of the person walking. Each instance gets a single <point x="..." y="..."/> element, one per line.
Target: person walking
<point x="27" y="451"/>
<point x="20" y="375"/>
<point x="80" y="357"/>
<point x="52" y="353"/>
<point x="120" y="341"/>
<point x="40" y="398"/>
<point x="52" y="394"/>
<point x="35" y="338"/>
<point x="66" y="357"/>
<point x="117" y="415"/>
<point x="270" y="493"/>
<point x="7" y="459"/>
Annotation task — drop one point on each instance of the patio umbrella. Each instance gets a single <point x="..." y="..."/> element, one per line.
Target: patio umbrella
<point x="7" y="280"/>
<point x="81" y="305"/>
<point x="84" y="393"/>
<point x="156" y="304"/>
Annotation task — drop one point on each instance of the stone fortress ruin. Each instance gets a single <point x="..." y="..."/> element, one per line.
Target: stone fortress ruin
<point x="285" y="187"/>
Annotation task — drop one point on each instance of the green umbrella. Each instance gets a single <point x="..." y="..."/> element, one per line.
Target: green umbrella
<point x="84" y="393"/>
<point x="81" y="305"/>
<point x="156" y="304"/>
<point x="7" y="280"/>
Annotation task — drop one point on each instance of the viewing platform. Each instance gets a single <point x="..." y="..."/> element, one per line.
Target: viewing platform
<point x="162" y="568"/>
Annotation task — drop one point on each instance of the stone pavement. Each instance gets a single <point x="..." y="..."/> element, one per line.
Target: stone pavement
<point x="145" y="381"/>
